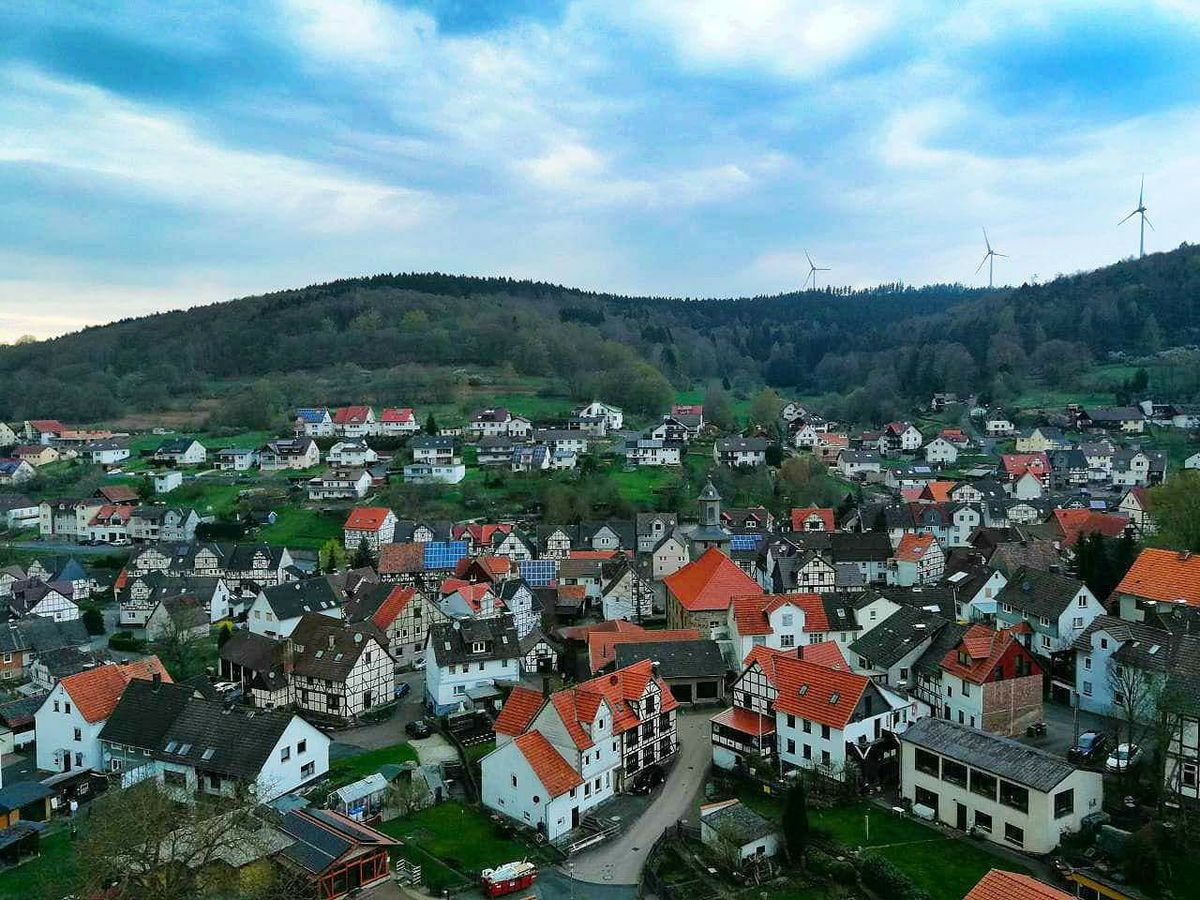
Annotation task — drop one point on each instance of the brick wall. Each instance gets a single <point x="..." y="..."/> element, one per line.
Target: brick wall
<point x="1010" y="705"/>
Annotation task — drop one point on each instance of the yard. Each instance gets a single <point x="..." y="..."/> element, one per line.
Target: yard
<point x="36" y="877"/>
<point x="352" y="768"/>
<point x="302" y="528"/>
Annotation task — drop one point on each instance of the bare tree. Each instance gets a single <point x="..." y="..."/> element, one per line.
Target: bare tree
<point x="1135" y="693"/>
<point x="182" y="648"/>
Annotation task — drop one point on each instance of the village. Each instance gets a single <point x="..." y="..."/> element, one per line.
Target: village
<point x="971" y="671"/>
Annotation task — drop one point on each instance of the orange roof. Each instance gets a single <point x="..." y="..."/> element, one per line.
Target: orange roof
<point x="391" y="414"/>
<point x="766" y="657"/>
<point x="581" y="632"/>
<point x="492" y="566"/>
<point x="579" y="704"/>
<point x="602" y="645"/>
<point x="554" y="772"/>
<point x="572" y="591"/>
<point x="367" y="518"/>
<point x="937" y="491"/>
<point x="825" y="653"/>
<point x="1000" y="885"/>
<point x="1075" y="523"/>
<point x="984" y="648"/>
<point x="750" y="613"/>
<point x="745" y="721"/>
<point x="117" y="493"/>
<point x="351" y="415"/>
<point x="48" y="425"/>
<point x="953" y="434"/>
<point x="1164" y="575"/>
<point x="817" y="693"/>
<point x="913" y="547"/>
<point x="519" y="710"/>
<point x="802" y="515"/>
<point x="1019" y="463"/>
<point x="710" y="582"/>
<point x="480" y="532"/>
<point x="109" y="511"/>
<point x="95" y="692"/>
<point x="393" y="604"/>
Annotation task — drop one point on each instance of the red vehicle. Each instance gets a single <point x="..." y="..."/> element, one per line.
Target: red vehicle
<point x="508" y="878"/>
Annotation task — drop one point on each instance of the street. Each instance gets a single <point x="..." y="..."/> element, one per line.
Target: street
<point x="620" y="861"/>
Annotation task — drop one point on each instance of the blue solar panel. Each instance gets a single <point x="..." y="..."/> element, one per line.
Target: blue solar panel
<point x="444" y="554"/>
<point x="538" y="572"/>
<point x="745" y="541"/>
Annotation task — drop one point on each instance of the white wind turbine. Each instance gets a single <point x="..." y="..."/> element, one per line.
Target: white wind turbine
<point x="1140" y="211"/>
<point x="813" y="269"/>
<point x="989" y="258"/>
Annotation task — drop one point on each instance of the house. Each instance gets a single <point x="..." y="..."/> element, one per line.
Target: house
<point x="340" y="670"/>
<point x="669" y="555"/>
<point x="18" y="512"/>
<point x="495" y="451"/>
<point x="562" y="439"/>
<point x="179" y="617"/>
<point x="538" y="653"/>
<point x="918" y="559"/>
<point x="403" y="614"/>
<point x="142" y="594"/>
<point x="644" y="451"/>
<point x="700" y="594"/>
<point x="107" y="452"/>
<point x="857" y="464"/>
<point x="16" y="471"/>
<point x="433" y="450"/>
<point x="1135" y="505"/>
<point x="893" y="640"/>
<point x="813" y="518"/>
<point x="693" y="670"/>
<point x="735" y="828"/>
<point x="1181" y="763"/>
<point x="777" y="621"/>
<point x="1057" y="607"/>
<point x="282" y="455"/>
<point x="899" y="437"/>
<point x="64" y="573"/>
<point x="941" y="452"/>
<point x="1157" y="580"/>
<point x="354" y="421"/>
<point x="34" y="597"/>
<point x="1069" y="525"/>
<point x="997" y="424"/>
<point x="70" y="719"/>
<point x="1041" y="440"/>
<point x="337" y="856"/>
<point x="739" y="451"/>
<point x="1192" y="462"/>
<point x="625" y="591"/>
<point x="197" y="747"/>
<point x="1121" y="667"/>
<point x="498" y="421"/>
<point x="339" y="484"/>
<point x="165" y="482"/>
<point x="37" y="455"/>
<point x="351" y="453"/>
<point x="277" y="609"/>
<point x="614" y="418"/>
<point x="236" y="459"/>
<point x="10" y="575"/>
<point x="530" y="458"/>
<point x="1126" y="419"/>
<point x="464" y="660"/>
<point x="163" y="524"/>
<point x="110" y="524"/>
<point x="43" y="431"/>
<point x="313" y="423"/>
<point x="1016" y="796"/>
<point x="829" y="445"/>
<point x="260" y="666"/>
<point x="829" y="720"/>
<point x="397" y="422"/>
<point x="1012" y="886"/>
<point x="376" y="525"/>
<point x="26" y="640"/>
<point x="429" y="473"/>
<point x="8" y="437"/>
<point x="748" y="727"/>
<point x="651" y="527"/>
<point x="180" y="452"/>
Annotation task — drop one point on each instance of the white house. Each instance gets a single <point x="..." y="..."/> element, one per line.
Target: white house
<point x="1192" y="462"/>
<point x="641" y="451"/>
<point x="281" y="455"/>
<point x="236" y="459"/>
<point x="69" y="721"/>
<point x="1056" y="606"/>
<point x="778" y="621"/>
<point x="466" y="657"/>
<point x="858" y="463"/>
<point x="613" y="417"/>
<point x="738" y="452"/>
<point x="165" y="482"/>
<point x="351" y="453"/>
<point x="18" y="512"/>
<point x="278" y="609"/>
<point x="38" y="598"/>
<point x="314" y="422"/>
<point x="997" y="424"/>
<point x="181" y="452"/>
<point x="733" y="825"/>
<point x="1016" y="796"/>
<point x="374" y="524"/>
<point x="395" y="422"/>
<point x="107" y="453"/>
<point x="941" y="451"/>
<point x="339" y="484"/>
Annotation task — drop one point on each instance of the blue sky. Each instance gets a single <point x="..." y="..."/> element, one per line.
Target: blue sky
<point x="156" y="155"/>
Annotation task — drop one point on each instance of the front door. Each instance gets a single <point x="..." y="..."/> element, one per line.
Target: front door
<point x="66" y="761"/>
<point x="575" y="817"/>
<point x="962" y="817"/>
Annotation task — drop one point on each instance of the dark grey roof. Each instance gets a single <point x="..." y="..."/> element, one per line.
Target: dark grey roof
<point x="860" y="546"/>
<point x="22" y="793"/>
<point x="451" y="641"/>
<point x="328" y="648"/>
<point x="253" y="651"/>
<point x="298" y="598"/>
<point x="1142" y="646"/>
<point x="742" y="445"/>
<point x="1038" y="593"/>
<point x="839" y="612"/>
<point x="41" y="634"/>
<point x="64" y="661"/>
<point x="738" y="823"/>
<point x="938" y="599"/>
<point x="322" y="837"/>
<point x="930" y="662"/>
<point x="676" y="659"/>
<point x="1000" y="756"/>
<point x="145" y="713"/>
<point x="896" y="636"/>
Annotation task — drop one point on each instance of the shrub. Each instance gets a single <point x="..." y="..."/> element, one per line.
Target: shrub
<point x="93" y="620"/>
<point x="126" y="642"/>
<point x="826" y="866"/>
<point x="886" y="880"/>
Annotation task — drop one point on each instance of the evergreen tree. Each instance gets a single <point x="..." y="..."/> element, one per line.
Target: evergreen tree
<point x="363" y="558"/>
<point x="795" y="822"/>
<point x="431" y="426"/>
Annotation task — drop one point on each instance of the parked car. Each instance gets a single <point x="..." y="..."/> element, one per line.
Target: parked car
<point x="418" y="729"/>
<point x="1089" y="748"/>
<point x="1124" y="756"/>
<point x="402" y="689"/>
<point x="418" y="664"/>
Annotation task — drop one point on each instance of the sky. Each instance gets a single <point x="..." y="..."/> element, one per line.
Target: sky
<point x="157" y="155"/>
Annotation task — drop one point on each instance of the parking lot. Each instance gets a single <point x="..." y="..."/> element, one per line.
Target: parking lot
<point x="1063" y="724"/>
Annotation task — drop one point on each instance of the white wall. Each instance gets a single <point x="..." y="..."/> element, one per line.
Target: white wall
<point x="55" y="731"/>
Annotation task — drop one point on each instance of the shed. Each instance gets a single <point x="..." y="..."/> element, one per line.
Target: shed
<point x="733" y="824"/>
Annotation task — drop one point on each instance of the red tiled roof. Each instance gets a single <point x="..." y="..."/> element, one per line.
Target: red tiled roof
<point x="602" y="645"/>
<point x="1074" y="523"/>
<point x="937" y="491"/>
<point x="825" y="653"/>
<point x="53" y="426"/>
<point x="750" y="613"/>
<point x="95" y="692"/>
<point x="819" y="694"/>
<point x="1164" y="575"/>
<point x="710" y="582"/>
<point x="117" y="493"/>
<point x="492" y="567"/>
<point x="984" y="648"/>
<point x="766" y="658"/>
<point x="687" y="409"/>
<point x="480" y="533"/>
<point x="581" y="632"/>
<point x="746" y="722"/>
<point x="554" y="772"/>
<point x="913" y="547"/>
<point x="1000" y="885"/>
<point x="1016" y="464"/>
<point x="954" y="435"/>
<point x="110" y="511"/>
<point x="801" y="515"/>
<point x="394" y="415"/>
<point x="398" y="559"/>
<point x="351" y="415"/>
<point x="393" y="604"/>
<point x="367" y="518"/>
<point x="579" y="704"/>
<point x="519" y="710"/>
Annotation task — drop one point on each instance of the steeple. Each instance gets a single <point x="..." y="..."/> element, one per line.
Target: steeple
<point x="710" y="506"/>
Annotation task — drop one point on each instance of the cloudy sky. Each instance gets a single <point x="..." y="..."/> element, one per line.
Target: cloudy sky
<point x="155" y="154"/>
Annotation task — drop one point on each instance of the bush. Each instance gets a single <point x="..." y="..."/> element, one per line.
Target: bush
<point x="822" y="864"/>
<point x="885" y="879"/>
<point x="93" y="620"/>
<point x="126" y="642"/>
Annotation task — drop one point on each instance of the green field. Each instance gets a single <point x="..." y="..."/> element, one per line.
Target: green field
<point x="352" y="768"/>
<point x="36" y="877"/>
<point x="302" y="528"/>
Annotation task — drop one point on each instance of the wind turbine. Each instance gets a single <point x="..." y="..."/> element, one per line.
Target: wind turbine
<point x="1140" y="211"/>
<point x="989" y="258"/>
<point x="813" y="269"/>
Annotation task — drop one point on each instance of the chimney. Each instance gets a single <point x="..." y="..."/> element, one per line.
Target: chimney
<point x="654" y="668"/>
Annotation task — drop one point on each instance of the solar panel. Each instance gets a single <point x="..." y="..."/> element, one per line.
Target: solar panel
<point x="538" y="572"/>
<point x="745" y="541"/>
<point x="444" y="554"/>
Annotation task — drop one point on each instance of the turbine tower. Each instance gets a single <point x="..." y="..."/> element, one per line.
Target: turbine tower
<point x="813" y="269"/>
<point x="989" y="258"/>
<point x="1140" y="211"/>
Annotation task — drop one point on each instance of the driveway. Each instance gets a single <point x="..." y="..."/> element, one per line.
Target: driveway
<point x="391" y="731"/>
<point x="620" y="861"/>
<point x="1061" y="728"/>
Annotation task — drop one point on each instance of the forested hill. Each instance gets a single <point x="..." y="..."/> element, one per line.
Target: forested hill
<point x="875" y="348"/>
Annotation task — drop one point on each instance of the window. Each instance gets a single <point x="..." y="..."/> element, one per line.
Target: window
<point x="1188" y="774"/>
<point x="983" y="784"/>
<point x="56" y="706"/>
<point x="953" y="772"/>
<point x="904" y="674"/>
<point x="1103" y="643"/>
<point x="1087" y="663"/>
<point x="806" y="726"/>
<point x="285" y="754"/>
<point x="791" y="746"/>
<point x="78" y="735"/>
<point x="1064" y="803"/>
<point x="791" y="721"/>
<point x="1014" y="835"/>
<point x="927" y="762"/>
<point x="927" y="798"/>
<point x="514" y="780"/>
<point x="1077" y="622"/>
<point x="307" y="770"/>
<point x="301" y="747"/>
<point x="1081" y="602"/>
<point x="1087" y="689"/>
<point x="787" y="641"/>
<point x="67" y="708"/>
<point x="966" y="689"/>
<point x="807" y="752"/>
<point x="1014" y="796"/>
<point x="825" y="732"/>
<point x="825" y="757"/>
<point x="983" y="821"/>
<point x="1046" y="641"/>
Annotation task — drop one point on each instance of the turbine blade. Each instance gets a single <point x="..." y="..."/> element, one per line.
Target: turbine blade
<point x="1146" y="219"/>
<point x="980" y="266"/>
<point x="1128" y="217"/>
<point x="809" y="258"/>
<point x="986" y="241"/>
<point x="995" y="253"/>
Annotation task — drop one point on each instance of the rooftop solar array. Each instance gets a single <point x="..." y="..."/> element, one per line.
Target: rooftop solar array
<point x="444" y="554"/>
<point x="745" y="542"/>
<point x="538" y="572"/>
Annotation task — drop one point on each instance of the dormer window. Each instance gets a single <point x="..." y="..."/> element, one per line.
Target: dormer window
<point x="478" y="646"/>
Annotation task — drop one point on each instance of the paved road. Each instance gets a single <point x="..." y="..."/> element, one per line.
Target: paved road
<point x="58" y="548"/>
<point x="1060" y="728"/>
<point x="390" y="731"/>
<point x="620" y="862"/>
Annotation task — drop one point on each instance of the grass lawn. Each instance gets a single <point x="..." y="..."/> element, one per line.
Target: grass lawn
<point x="641" y="486"/>
<point x="32" y="879"/>
<point x="477" y="752"/>
<point x="352" y="768"/>
<point x="298" y="526"/>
